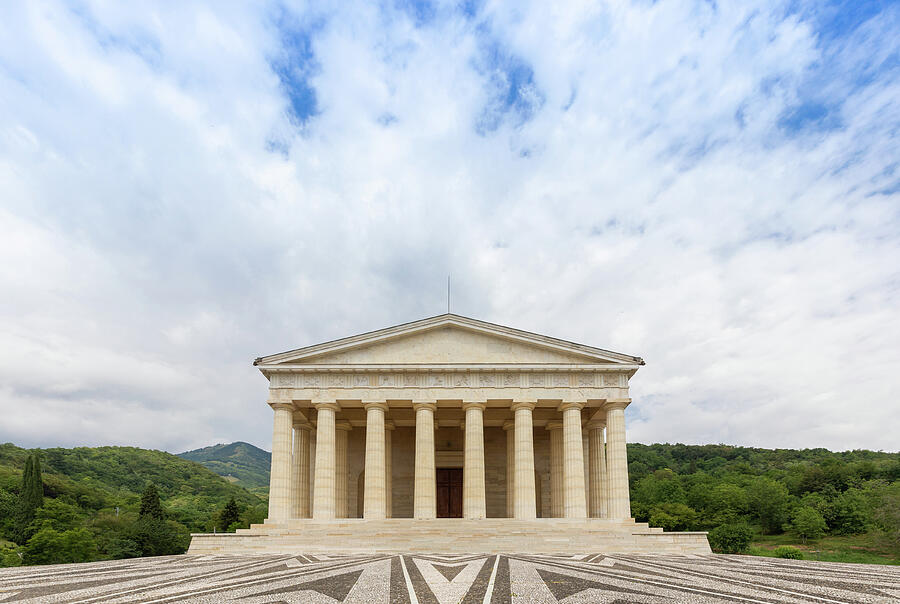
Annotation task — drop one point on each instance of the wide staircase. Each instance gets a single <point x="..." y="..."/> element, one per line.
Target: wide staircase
<point x="451" y="535"/>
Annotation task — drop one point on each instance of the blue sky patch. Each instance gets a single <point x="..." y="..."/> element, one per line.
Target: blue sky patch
<point x="513" y="93"/>
<point x="295" y="66"/>
<point x="810" y="116"/>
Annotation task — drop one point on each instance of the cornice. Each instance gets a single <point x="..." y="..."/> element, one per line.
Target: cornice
<point x="445" y="320"/>
<point x="269" y="368"/>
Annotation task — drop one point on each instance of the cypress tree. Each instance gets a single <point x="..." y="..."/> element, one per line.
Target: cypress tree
<point x="230" y="514"/>
<point x="151" y="507"/>
<point x="31" y="497"/>
<point x="37" y="484"/>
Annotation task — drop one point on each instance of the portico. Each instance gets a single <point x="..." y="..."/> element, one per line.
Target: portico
<point x="450" y="417"/>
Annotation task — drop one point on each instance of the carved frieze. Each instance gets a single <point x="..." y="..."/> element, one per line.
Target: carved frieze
<point x="475" y="379"/>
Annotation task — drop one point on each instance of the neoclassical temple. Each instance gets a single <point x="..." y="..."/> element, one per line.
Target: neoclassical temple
<point x="449" y="434"/>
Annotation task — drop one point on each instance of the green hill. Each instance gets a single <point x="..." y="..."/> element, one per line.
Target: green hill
<point x="239" y="462"/>
<point x="94" y="493"/>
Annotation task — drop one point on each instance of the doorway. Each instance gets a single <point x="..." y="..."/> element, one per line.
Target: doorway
<point x="449" y="492"/>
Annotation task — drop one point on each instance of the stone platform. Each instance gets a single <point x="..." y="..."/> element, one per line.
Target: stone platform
<point x="584" y="578"/>
<point x="452" y="536"/>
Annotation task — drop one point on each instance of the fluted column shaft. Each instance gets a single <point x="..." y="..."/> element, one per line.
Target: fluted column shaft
<point x="509" y="428"/>
<point x="573" y="456"/>
<point x="597" y="470"/>
<point x="474" y="505"/>
<point x="300" y="472"/>
<point x="324" y="507"/>
<point x="342" y="469"/>
<point x="618" y="501"/>
<point x="388" y="470"/>
<point x="525" y="494"/>
<point x="425" y="494"/>
<point x="557" y="492"/>
<point x="374" y="496"/>
<point x="280" y="472"/>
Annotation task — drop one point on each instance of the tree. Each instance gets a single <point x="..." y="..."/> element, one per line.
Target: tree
<point x="31" y="497"/>
<point x="663" y="486"/>
<point x="151" y="506"/>
<point x="9" y="512"/>
<point x="156" y="537"/>
<point x="673" y="517"/>
<point x="229" y="515"/>
<point x="849" y="513"/>
<point x="49" y="546"/>
<point x="731" y="538"/>
<point x="58" y="515"/>
<point x="725" y="503"/>
<point x="152" y="533"/>
<point x="769" y="502"/>
<point x="808" y="523"/>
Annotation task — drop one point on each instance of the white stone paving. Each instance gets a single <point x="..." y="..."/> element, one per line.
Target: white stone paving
<point x="452" y="579"/>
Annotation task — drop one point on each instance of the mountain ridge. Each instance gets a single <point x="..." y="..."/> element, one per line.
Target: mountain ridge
<point x="238" y="462"/>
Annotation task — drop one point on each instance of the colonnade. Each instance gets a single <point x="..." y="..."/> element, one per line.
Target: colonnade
<point x="606" y="495"/>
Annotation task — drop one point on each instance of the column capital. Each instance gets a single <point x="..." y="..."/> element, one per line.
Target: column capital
<point x="565" y="405"/>
<point x="509" y="425"/>
<point x="595" y="425"/>
<point x="554" y="425"/>
<point x="333" y="405"/>
<point x="523" y="405"/>
<point x="375" y="405"/>
<point x="343" y="425"/>
<point x="616" y="403"/>
<point x="473" y="405"/>
<point x="286" y="405"/>
<point x="389" y="424"/>
<point x="430" y="405"/>
<point x="302" y="425"/>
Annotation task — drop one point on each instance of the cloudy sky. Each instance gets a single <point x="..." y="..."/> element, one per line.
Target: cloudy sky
<point x="714" y="186"/>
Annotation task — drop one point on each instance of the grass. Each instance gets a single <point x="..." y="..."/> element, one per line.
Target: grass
<point x="863" y="549"/>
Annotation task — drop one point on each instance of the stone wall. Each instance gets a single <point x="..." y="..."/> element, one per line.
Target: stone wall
<point x="447" y="441"/>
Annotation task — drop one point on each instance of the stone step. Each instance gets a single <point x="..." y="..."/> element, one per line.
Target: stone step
<point x="451" y="536"/>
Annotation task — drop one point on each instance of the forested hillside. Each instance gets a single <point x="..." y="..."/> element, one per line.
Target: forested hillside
<point x="239" y="462"/>
<point x="845" y="503"/>
<point x="92" y="499"/>
<point x="838" y="506"/>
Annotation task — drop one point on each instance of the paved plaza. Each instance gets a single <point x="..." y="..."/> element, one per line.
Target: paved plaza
<point x="432" y="579"/>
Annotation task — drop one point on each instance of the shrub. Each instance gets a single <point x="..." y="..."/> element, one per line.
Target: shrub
<point x="786" y="551"/>
<point x="49" y="546"/>
<point x="673" y="517"/>
<point x="733" y="538"/>
<point x="9" y="555"/>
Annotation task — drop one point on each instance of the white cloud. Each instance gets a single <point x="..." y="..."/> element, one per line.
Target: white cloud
<point x="652" y="179"/>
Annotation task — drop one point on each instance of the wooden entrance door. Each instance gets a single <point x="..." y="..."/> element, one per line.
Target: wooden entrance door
<point x="449" y="492"/>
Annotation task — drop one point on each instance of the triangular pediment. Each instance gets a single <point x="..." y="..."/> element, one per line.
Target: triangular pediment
<point x="448" y="339"/>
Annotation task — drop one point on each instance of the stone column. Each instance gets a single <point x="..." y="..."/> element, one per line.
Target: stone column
<point x="618" y="500"/>
<point x="342" y="469"/>
<point x="573" y="456"/>
<point x="388" y="471"/>
<point x="425" y="497"/>
<point x="323" y="496"/>
<point x="509" y="428"/>
<point x="525" y="495"/>
<point x="300" y="471"/>
<point x="598" y="470"/>
<point x="557" y="493"/>
<point x="280" y="473"/>
<point x="374" y="496"/>
<point x="474" y="505"/>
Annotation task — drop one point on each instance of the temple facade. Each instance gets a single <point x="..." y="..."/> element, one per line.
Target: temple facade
<point x="482" y="436"/>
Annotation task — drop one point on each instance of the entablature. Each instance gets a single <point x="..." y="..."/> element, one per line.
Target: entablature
<point x="450" y="377"/>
